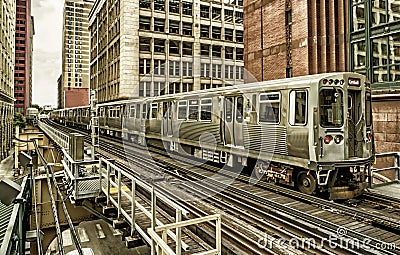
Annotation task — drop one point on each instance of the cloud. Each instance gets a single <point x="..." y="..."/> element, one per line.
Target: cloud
<point x="48" y="16"/>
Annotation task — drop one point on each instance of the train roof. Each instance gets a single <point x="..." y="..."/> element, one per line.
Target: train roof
<point x="247" y="87"/>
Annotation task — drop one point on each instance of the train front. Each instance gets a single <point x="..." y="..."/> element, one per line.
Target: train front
<point x="343" y="140"/>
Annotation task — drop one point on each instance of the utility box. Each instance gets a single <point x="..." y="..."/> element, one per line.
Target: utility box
<point x="76" y="146"/>
<point x="9" y="191"/>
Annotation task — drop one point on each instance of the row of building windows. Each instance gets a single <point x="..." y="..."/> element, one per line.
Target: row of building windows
<point x="147" y="88"/>
<point x="187" y="48"/>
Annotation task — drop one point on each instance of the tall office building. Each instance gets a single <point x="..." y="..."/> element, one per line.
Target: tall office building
<point x="24" y="32"/>
<point x="295" y="37"/>
<point x="75" y="54"/>
<point x="7" y="50"/>
<point x="149" y="48"/>
<point x="375" y="42"/>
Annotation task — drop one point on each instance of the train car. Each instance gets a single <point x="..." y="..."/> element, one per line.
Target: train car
<point x="312" y="132"/>
<point x="31" y="115"/>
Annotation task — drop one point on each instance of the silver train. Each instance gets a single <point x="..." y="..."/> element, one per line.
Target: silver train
<point x="312" y="132"/>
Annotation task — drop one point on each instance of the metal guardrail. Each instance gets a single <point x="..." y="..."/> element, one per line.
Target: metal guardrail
<point x="58" y="137"/>
<point x="395" y="168"/>
<point x="162" y="246"/>
<point x="82" y="176"/>
<point x="111" y="177"/>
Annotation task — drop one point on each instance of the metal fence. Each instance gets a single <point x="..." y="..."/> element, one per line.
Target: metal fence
<point x="382" y="174"/>
<point x="117" y="190"/>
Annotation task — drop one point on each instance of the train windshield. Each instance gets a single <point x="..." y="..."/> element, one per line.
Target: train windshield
<point x="331" y="107"/>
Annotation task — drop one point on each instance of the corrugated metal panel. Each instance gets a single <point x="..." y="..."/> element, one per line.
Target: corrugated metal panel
<point x="5" y="215"/>
<point x="265" y="138"/>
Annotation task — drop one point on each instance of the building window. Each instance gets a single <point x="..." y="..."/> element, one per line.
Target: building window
<point x="229" y="52"/>
<point x="204" y="31"/>
<point x="239" y="36"/>
<point x="187" y="8"/>
<point x="144" y="87"/>
<point x="187" y="48"/>
<point x="239" y="17"/>
<point x="145" y="4"/>
<point x="174" y="68"/>
<point x="216" y="13"/>
<point x="174" y="27"/>
<point x="205" y="70"/>
<point x="187" y="28"/>
<point x="187" y="87"/>
<point x="228" y="34"/>
<point x="216" y="51"/>
<point x="159" y="45"/>
<point x="205" y="50"/>
<point x="159" y="67"/>
<point x="144" y="23"/>
<point x="144" y="44"/>
<point x="159" y="5"/>
<point x="174" y="6"/>
<point x="159" y="25"/>
<point x="205" y="11"/>
<point x="216" y="32"/>
<point x="239" y="54"/>
<point x="174" y="47"/>
<point x="187" y="68"/>
<point x="216" y="71"/>
<point x="229" y="71"/>
<point x="289" y="72"/>
<point x="144" y="66"/>
<point x="228" y="16"/>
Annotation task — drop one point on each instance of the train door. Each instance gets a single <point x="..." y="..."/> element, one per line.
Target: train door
<point x="355" y="123"/>
<point x="167" y="119"/>
<point x="233" y="121"/>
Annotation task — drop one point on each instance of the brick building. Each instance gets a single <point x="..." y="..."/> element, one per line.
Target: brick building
<point x="7" y="50"/>
<point x="24" y="31"/>
<point x="294" y="37"/>
<point x="147" y="48"/>
<point x="75" y="54"/>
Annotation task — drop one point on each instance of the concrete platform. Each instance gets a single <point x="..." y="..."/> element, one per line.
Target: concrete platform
<point x="392" y="190"/>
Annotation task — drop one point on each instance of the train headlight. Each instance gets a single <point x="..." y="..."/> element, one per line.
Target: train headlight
<point x="369" y="136"/>
<point x="338" y="139"/>
<point x="328" y="139"/>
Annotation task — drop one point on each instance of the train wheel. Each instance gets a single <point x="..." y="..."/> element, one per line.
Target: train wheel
<point x="306" y="182"/>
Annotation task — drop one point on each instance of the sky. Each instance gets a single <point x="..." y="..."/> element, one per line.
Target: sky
<point x="46" y="50"/>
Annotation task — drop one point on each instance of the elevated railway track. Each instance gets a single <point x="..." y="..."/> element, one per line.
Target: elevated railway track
<point x="256" y="218"/>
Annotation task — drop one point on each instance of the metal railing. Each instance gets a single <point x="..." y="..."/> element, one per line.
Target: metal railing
<point x="112" y="184"/>
<point x="376" y="172"/>
<point x="57" y="136"/>
<point x="162" y="246"/>
<point x="82" y="177"/>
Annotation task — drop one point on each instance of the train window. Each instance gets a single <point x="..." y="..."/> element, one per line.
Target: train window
<point x="182" y="110"/>
<point x="132" y="111"/>
<point x="239" y="110"/>
<point x="154" y="111"/>
<point x="228" y="109"/>
<point x="193" y="109"/>
<point x="269" y="110"/>
<point x="137" y="115"/>
<point x="144" y="111"/>
<point x="117" y="112"/>
<point x="205" y="109"/>
<point x="368" y="112"/>
<point x="331" y="107"/>
<point x="298" y="107"/>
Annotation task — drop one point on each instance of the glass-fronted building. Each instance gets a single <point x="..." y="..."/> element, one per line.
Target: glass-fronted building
<point x="375" y="41"/>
